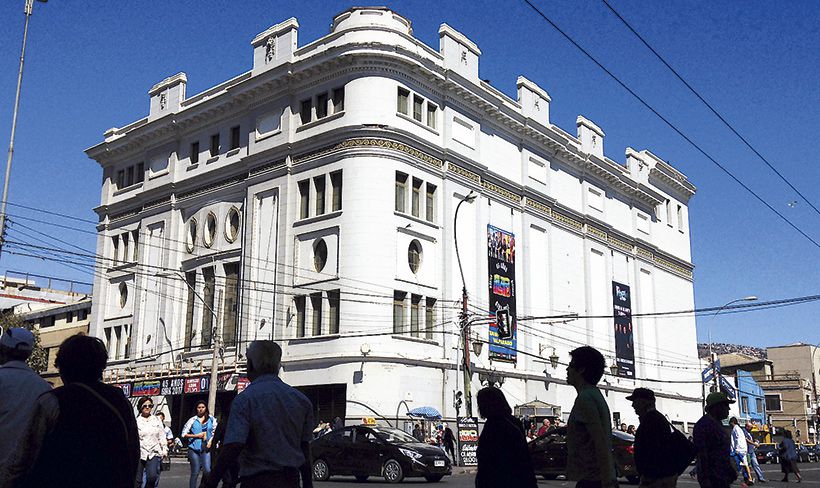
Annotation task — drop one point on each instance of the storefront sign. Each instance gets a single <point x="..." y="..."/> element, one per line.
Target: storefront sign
<point x="501" y="281"/>
<point x="173" y="386"/>
<point x="146" y="388"/>
<point x="624" y="346"/>
<point x="468" y="440"/>
<point x="125" y="387"/>
<point x="241" y="383"/>
<point x="197" y="385"/>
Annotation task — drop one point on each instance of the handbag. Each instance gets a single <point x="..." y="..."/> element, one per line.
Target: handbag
<point x="681" y="451"/>
<point x="165" y="463"/>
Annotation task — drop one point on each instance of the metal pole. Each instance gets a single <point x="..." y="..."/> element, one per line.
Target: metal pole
<point x="28" y="9"/>
<point x="217" y="343"/>
<point x="464" y="324"/>
<point x="712" y="355"/>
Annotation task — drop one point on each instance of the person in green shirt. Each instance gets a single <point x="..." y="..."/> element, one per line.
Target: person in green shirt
<point x="589" y="437"/>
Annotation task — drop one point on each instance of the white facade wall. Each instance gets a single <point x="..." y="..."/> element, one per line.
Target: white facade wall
<point x="580" y="221"/>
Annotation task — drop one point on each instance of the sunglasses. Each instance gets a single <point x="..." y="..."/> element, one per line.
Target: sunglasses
<point x="148" y="405"/>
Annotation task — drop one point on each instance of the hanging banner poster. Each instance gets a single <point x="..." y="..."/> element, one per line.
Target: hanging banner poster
<point x="125" y="387"/>
<point x="146" y="388"/>
<point x="468" y="440"/>
<point x="501" y="281"/>
<point x="624" y="346"/>
<point x="173" y="386"/>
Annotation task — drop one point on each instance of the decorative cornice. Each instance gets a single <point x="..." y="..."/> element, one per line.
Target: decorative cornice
<point x="503" y="192"/>
<point x="568" y="221"/>
<point x="535" y="204"/>
<point x="373" y="142"/>
<point x="454" y="168"/>
<point x="214" y="186"/>
<point x="596" y="232"/>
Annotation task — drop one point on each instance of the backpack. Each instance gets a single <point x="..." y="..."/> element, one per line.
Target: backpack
<point x="681" y="451"/>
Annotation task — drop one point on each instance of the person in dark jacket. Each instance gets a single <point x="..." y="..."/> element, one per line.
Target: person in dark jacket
<point x="788" y="457"/>
<point x="449" y="441"/>
<point x="651" y="438"/>
<point x="503" y="458"/>
<point x="714" y="467"/>
<point x="82" y="434"/>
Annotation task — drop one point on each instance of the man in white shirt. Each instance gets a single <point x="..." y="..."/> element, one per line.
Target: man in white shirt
<point x="739" y="451"/>
<point x="19" y="388"/>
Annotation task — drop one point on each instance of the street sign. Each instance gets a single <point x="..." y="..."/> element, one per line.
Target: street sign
<point x="707" y="374"/>
<point x="727" y="388"/>
<point x="717" y="365"/>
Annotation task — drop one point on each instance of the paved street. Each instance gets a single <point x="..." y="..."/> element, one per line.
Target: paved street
<point x="178" y="478"/>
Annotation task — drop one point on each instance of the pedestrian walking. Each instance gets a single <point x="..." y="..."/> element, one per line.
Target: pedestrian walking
<point x="503" y="458"/>
<point x="545" y="427"/>
<point x="153" y="444"/>
<point x="753" y="444"/>
<point x="269" y="428"/>
<point x="82" y="434"/>
<point x="714" y="468"/>
<point x="169" y="434"/>
<point x="740" y="451"/>
<point x="418" y="434"/>
<point x="199" y="432"/>
<point x="449" y="441"/>
<point x="652" y="439"/>
<point x="788" y="457"/>
<point x="589" y="437"/>
<point x="230" y="477"/>
<point x="19" y="388"/>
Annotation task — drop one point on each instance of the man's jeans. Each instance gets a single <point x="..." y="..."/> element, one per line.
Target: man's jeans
<point x="148" y="473"/>
<point x="756" y="466"/>
<point x="198" y="460"/>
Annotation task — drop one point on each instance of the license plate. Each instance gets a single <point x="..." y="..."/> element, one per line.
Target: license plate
<point x="439" y="464"/>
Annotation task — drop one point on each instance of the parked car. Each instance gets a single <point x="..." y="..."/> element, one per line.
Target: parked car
<point x="549" y="455"/>
<point x="812" y="448"/>
<point x="364" y="451"/>
<point x="767" y="453"/>
<point x="803" y="454"/>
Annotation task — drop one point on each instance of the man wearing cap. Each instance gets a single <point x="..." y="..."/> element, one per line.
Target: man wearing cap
<point x="19" y="388"/>
<point x="714" y="465"/>
<point x="650" y="440"/>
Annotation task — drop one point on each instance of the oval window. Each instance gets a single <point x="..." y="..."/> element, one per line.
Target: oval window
<point x="232" y="224"/>
<point x="123" y="295"/>
<point x="190" y="236"/>
<point x="319" y="255"/>
<point x="210" y="230"/>
<point x="414" y="256"/>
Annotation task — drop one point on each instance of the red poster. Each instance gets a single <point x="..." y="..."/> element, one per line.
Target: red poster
<point x="192" y="385"/>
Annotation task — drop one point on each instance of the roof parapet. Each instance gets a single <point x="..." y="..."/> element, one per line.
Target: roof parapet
<point x="166" y="97"/>
<point x="460" y="53"/>
<point x="275" y="46"/>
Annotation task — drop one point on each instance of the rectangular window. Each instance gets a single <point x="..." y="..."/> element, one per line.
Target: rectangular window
<point x="140" y="172"/>
<point x="321" y="106"/>
<point x="214" y="145"/>
<point x="82" y="314"/>
<point x="398" y="311"/>
<point x="120" y="179"/>
<point x="136" y="240"/>
<point x="669" y="212"/>
<point x="338" y="100"/>
<point x="333" y="306"/>
<point x="759" y="405"/>
<point x="432" y="113"/>
<point x="336" y="186"/>
<point x="429" y="318"/>
<point x="190" y="305"/>
<point x="417" y="105"/>
<point x="208" y="294"/>
<point x="108" y="342"/>
<point x="416" y="201"/>
<point x="401" y="103"/>
<point x="319" y="185"/>
<point x="69" y="317"/>
<point x="680" y="217"/>
<point x="316" y="305"/>
<point x="124" y="239"/>
<point x="401" y="191"/>
<point x="118" y="342"/>
<point x="415" y="312"/>
<point x="235" y="137"/>
<point x="430" y="203"/>
<point x="194" y="152"/>
<point x="744" y="404"/>
<point x="300" y="316"/>
<point x="304" y="199"/>
<point x="305" y="111"/>
<point x="230" y="304"/>
<point x="129" y="176"/>
<point x="773" y="403"/>
<point x="115" y="255"/>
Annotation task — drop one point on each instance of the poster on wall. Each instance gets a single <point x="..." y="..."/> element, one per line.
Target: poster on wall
<point x="501" y="281"/>
<point x="468" y="440"/>
<point x="624" y="345"/>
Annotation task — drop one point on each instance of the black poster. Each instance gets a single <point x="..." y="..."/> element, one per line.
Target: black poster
<point x="501" y="282"/>
<point x="468" y="440"/>
<point x="624" y="345"/>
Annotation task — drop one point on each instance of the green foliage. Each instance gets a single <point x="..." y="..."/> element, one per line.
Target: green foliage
<point x="38" y="361"/>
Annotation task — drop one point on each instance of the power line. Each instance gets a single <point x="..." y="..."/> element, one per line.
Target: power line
<point x="671" y="125"/>
<point x="709" y="106"/>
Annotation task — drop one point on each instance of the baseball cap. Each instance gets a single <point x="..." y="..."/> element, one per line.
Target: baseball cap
<point x="716" y="398"/>
<point x="644" y="393"/>
<point x="18" y="338"/>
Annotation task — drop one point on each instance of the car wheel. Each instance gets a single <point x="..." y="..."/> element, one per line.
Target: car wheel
<point x="549" y="476"/>
<point x="392" y="471"/>
<point x="321" y="471"/>
<point x="634" y="480"/>
<point x="361" y="478"/>
<point x="434" y="478"/>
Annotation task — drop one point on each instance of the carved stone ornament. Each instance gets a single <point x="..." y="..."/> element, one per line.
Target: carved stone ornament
<point x="536" y="106"/>
<point x="594" y="140"/>
<point x="270" y="49"/>
<point x="163" y="101"/>
<point x="464" y="57"/>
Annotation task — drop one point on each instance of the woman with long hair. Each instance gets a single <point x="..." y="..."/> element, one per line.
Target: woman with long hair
<point x="153" y="445"/>
<point x="788" y="457"/>
<point x="503" y="459"/>
<point x="199" y="432"/>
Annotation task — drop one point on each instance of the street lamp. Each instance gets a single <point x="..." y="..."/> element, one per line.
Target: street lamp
<point x="28" y="10"/>
<point x="750" y="298"/>
<point x="465" y="325"/>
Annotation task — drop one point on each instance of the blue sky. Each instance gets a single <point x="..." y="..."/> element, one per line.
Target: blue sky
<point x="89" y="68"/>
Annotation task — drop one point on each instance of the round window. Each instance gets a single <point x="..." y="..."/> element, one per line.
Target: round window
<point x="210" y="230"/>
<point x="190" y="236"/>
<point x="319" y="255"/>
<point x="414" y="256"/>
<point x="123" y="295"/>
<point x="232" y="224"/>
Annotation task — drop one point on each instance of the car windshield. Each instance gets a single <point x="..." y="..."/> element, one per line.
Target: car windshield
<point x="623" y="435"/>
<point x="394" y="436"/>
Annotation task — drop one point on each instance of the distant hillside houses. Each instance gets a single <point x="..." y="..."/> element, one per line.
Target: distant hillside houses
<point x="721" y="348"/>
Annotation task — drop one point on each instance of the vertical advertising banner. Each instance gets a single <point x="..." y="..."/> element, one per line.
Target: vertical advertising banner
<point x="468" y="440"/>
<point x="501" y="280"/>
<point x="624" y="345"/>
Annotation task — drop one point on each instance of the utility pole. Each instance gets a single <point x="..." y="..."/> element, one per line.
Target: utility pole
<point x="29" y="8"/>
<point x="464" y="324"/>
<point x="216" y="339"/>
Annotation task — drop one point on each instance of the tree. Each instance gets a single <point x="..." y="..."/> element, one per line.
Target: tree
<point x="38" y="361"/>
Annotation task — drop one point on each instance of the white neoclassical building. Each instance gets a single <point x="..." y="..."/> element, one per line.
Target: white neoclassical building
<point x="311" y="200"/>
